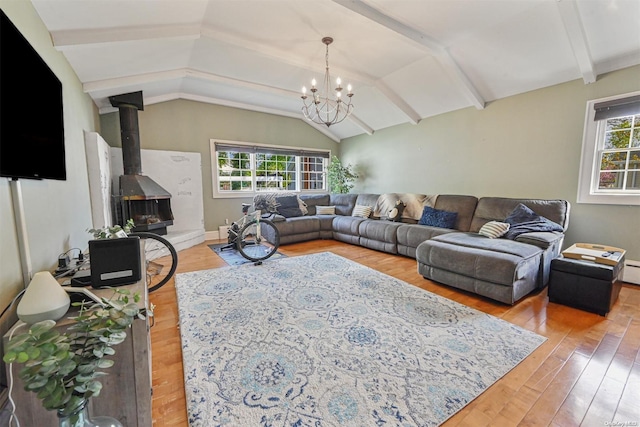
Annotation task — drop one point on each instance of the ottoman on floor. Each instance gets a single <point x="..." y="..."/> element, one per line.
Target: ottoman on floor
<point x="585" y="284"/>
<point x="501" y="269"/>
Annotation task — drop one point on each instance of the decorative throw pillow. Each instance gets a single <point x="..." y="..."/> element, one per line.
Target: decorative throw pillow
<point x="362" y="211"/>
<point x="303" y="206"/>
<point x="438" y="218"/>
<point x="288" y="206"/>
<point x="523" y="220"/>
<point x="325" y="210"/>
<point x="494" y="229"/>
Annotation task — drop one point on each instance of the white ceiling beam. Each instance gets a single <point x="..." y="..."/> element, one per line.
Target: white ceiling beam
<point x="406" y="109"/>
<point x="431" y="46"/>
<point x="226" y="103"/>
<point x="68" y="39"/>
<point x="284" y="56"/>
<point x="577" y="38"/>
<point x="356" y="121"/>
<point x="139" y="79"/>
<point x="200" y="75"/>
<point x="109" y="84"/>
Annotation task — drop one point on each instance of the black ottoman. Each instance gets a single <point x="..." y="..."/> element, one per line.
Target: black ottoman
<point x="584" y="284"/>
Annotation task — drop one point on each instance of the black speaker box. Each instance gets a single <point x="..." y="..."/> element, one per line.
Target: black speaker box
<point x="114" y="262"/>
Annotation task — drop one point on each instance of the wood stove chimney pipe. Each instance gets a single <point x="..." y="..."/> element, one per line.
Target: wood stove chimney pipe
<point x="128" y="105"/>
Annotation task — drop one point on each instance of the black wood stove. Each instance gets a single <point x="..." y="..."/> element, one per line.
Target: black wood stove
<point x="140" y="198"/>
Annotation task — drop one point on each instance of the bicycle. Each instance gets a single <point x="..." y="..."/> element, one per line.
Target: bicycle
<point x="155" y="246"/>
<point x="254" y="237"/>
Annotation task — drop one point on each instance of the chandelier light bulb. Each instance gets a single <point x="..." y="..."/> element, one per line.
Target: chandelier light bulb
<point x="313" y="82"/>
<point x="338" y="81"/>
<point x="304" y="90"/>
<point x="349" y="89"/>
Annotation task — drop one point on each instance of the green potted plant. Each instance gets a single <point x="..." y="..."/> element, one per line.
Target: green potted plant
<point x="340" y="177"/>
<point x="63" y="368"/>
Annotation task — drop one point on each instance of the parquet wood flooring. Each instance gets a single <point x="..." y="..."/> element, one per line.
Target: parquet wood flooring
<point x="587" y="373"/>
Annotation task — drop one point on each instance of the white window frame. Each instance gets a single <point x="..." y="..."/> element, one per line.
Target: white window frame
<point x="590" y="162"/>
<point x="217" y="194"/>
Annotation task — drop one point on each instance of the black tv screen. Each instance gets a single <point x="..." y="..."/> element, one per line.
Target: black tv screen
<point x="31" y="119"/>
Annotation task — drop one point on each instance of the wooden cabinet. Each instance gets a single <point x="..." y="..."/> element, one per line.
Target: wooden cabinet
<point x="126" y="391"/>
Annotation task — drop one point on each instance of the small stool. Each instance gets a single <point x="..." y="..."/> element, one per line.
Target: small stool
<point x="585" y="284"/>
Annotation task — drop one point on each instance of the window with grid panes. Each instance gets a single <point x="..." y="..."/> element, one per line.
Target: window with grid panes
<point x="610" y="162"/>
<point x="312" y="171"/>
<point x="619" y="155"/>
<point x="243" y="168"/>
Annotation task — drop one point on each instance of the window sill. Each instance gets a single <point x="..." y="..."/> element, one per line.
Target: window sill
<point x="606" y="199"/>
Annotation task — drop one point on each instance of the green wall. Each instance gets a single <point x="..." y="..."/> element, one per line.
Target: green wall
<point x="57" y="213"/>
<point x="527" y="145"/>
<point x="183" y="125"/>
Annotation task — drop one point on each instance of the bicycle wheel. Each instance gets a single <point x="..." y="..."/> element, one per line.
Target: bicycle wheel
<point x="258" y="248"/>
<point x="161" y="259"/>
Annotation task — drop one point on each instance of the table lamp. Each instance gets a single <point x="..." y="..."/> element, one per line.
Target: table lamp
<point x="44" y="299"/>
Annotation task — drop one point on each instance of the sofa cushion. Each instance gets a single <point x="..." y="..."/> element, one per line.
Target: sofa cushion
<point x="438" y="218"/>
<point x="500" y="261"/>
<point x="379" y="235"/>
<point x="498" y="208"/>
<point x="345" y="228"/>
<point x="285" y="204"/>
<point x="299" y="225"/>
<point x="523" y="220"/>
<point x="413" y="234"/>
<point x="465" y="206"/>
<point x="347" y="224"/>
<point x="344" y="203"/>
<point x="313" y="200"/>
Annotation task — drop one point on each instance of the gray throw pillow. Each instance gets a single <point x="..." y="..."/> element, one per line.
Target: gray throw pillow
<point x="288" y="206"/>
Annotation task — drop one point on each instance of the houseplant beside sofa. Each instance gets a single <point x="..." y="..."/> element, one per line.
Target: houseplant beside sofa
<point x="502" y="269"/>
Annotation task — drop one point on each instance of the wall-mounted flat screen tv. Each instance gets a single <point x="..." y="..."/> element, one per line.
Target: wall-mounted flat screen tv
<point x="31" y="119"/>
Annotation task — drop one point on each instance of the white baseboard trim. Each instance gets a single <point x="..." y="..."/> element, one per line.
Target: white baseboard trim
<point x="211" y="235"/>
<point x="631" y="273"/>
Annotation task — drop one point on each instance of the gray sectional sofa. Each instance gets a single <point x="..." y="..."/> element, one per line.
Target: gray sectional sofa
<point x="498" y="268"/>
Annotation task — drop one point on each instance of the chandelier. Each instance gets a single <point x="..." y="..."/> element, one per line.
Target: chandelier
<point x="322" y="108"/>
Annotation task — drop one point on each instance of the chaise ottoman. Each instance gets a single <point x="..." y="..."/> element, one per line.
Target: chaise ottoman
<point x="501" y="269"/>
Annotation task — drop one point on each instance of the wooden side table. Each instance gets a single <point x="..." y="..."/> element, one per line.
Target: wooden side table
<point x="126" y="391"/>
<point x="586" y="285"/>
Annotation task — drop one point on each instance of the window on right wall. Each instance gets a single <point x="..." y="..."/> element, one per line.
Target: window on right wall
<point x="610" y="162"/>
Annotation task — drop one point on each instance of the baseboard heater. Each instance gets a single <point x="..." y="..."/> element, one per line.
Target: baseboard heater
<point x="631" y="273"/>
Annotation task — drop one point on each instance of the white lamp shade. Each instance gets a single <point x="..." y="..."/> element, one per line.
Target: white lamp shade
<point x="44" y="299"/>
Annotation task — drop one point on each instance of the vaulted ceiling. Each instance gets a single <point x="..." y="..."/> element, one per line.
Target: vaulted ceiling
<point x="406" y="59"/>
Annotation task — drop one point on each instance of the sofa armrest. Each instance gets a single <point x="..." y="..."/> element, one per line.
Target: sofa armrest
<point x="541" y="239"/>
<point x="551" y="244"/>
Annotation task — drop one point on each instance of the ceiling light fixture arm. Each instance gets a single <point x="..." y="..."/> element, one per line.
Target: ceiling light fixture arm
<point x="323" y="109"/>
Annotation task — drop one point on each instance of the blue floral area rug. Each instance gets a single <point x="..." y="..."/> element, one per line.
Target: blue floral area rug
<point x="319" y="340"/>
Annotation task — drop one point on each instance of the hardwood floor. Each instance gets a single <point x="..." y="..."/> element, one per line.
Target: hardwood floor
<point x="586" y="373"/>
